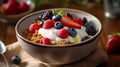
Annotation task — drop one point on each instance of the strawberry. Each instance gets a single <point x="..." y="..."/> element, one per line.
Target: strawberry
<point x="78" y="20"/>
<point x="23" y="7"/>
<point x="33" y="27"/>
<point x="113" y="43"/>
<point x="69" y="22"/>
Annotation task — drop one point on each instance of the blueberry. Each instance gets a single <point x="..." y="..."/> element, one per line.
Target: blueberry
<point x="16" y="59"/>
<point x="72" y="32"/>
<point x="90" y="28"/>
<point x="56" y="17"/>
<point x="58" y="25"/>
<point x="69" y="15"/>
<point x="40" y="17"/>
<point x="85" y="38"/>
<point x="84" y="19"/>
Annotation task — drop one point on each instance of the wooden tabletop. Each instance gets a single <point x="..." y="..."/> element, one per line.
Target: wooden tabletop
<point x="7" y="31"/>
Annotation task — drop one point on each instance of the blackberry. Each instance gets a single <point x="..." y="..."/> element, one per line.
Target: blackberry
<point x="47" y="15"/>
<point x="84" y="19"/>
<point x="90" y="28"/>
<point x="85" y="38"/>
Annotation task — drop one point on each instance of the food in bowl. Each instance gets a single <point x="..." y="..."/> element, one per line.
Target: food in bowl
<point x="12" y="7"/>
<point x="57" y="55"/>
<point x="57" y="27"/>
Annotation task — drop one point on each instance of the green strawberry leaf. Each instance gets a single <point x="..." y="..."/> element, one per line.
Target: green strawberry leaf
<point x="115" y="33"/>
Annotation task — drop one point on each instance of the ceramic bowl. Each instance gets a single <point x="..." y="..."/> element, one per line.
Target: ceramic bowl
<point x="57" y="55"/>
<point x="13" y="19"/>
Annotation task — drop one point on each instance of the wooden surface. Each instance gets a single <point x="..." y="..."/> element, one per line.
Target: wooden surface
<point x="7" y="31"/>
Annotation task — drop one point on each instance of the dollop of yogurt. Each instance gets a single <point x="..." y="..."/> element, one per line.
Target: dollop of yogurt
<point x="51" y="34"/>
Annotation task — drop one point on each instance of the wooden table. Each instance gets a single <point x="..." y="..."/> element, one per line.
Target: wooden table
<point x="7" y="31"/>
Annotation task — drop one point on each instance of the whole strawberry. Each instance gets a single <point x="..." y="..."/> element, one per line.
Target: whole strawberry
<point x="113" y="43"/>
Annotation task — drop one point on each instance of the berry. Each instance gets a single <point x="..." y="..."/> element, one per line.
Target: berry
<point x="5" y="1"/>
<point x="69" y="15"/>
<point x="72" y="32"/>
<point x="113" y="43"/>
<point x="62" y="33"/>
<point x="47" y="15"/>
<point x="84" y="19"/>
<point x="23" y="7"/>
<point x="48" y="24"/>
<point x="90" y="28"/>
<point x="40" y="17"/>
<point x="33" y="27"/>
<point x="78" y="20"/>
<point x="56" y="17"/>
<point x="85" y="38"/>
<point x="16" y="59"/>
<point x="69" y="22"/>
<point x="45" y="41"/>
<point x="58" y="25"/>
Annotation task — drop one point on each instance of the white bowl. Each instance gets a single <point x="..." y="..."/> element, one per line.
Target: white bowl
<point x="56" y="55"/>
<point x="12" y="19"/>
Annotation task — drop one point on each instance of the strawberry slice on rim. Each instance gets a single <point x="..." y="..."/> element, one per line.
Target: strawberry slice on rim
<point x="69" y="22"/>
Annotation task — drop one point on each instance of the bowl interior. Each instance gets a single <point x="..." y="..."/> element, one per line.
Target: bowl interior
<point x="29" y="19"/>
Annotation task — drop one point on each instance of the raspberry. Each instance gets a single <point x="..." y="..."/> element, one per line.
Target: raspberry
<point x="44" y="41"/>
<point x="48" y="24"/>
<point x="33" y="27"/>
<point x="62" y="33"/>
<point x="78" y="20"/>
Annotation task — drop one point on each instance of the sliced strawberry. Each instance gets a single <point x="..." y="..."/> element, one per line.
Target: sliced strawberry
<point x="69" y="22"/>
<point x="78" y="20"/>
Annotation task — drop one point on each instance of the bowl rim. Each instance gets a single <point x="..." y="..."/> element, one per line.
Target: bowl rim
<point x="51" y="46"/>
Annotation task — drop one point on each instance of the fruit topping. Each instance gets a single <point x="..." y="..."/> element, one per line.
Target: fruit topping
<point x="84" y="19"/>
<point x="23" y="7"/>
<point x="16" y="59"/>
<point x="33" y="27"/>
<point x="78" y="20"/>
<point x="85" y="38"/>
<point x="44" y="41"/>
<point x="69" y="22"/>
<point x="62" y="33"/>
<point x="72" y="32"/>
<point x="58" y="25"/>
<point x="113" y="43"/>
<point x="56" y="17"/>
<point x="90" y="28"/>
<point x="47" y="15"/>
<point x="11" y="7"/>
<point x="48" y="24"/>
<point x="69" y="15"/>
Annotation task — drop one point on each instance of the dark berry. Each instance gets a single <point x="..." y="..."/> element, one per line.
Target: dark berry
<point x="84" y="19"/>
<point x="47" y="15"/>
<point x="56" y="17"/>
<point x="72" y="32"/>
<point x="90" y="28"/>
<point x="16" y="59"/>
<point x="85" y="38"/>
<point x="58" y="25"/>
<point x="69" y="15"/>
<point x="62" y="33"/>
<point x="5" y="1"/>
<point x="40" y="17"/>
<point x="45" y="41"/>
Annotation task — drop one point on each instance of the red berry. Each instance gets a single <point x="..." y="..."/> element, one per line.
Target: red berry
<point x="67" y="21"/>
<point x="45" y="41"/>
<point x="48" y="24"/>
<point x="78" y="20"/>
<point x="62" y="33"/>
<point x="23" y="7"/>
<point x="33" y="27"/>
